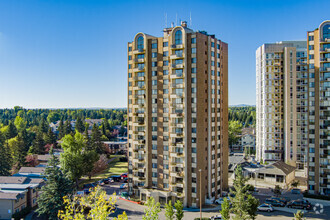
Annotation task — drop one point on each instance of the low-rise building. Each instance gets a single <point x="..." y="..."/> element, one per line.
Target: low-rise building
<point x="114" y="147"/>
<point x="17" y="193"/>
<point x="246" y="142"/>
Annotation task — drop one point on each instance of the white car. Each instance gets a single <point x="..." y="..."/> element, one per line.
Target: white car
<point x="266" y="208"/>
<point x="216" y="217"/>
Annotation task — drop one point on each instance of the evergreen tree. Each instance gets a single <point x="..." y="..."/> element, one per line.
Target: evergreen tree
<point x="57" y="186"/>
<point x="11" y="131"/>
<point x="43" y="126"/>
<point x="80" y="127"/>
<point x="38" y="145"/>
<point x="61" y="129"/>
<point x="169" y="211"/>
<point x="88" y="143"/>
<point x="225" y="209"/>
<point x="244" y="205"/>
<point x="50" y="137"/>
<point x="97" y="144"/>
<point x="5" y="159"/>
<point x="21" y="152"/>
<point x="68" y="127"/>
<point x="179" y="210"/>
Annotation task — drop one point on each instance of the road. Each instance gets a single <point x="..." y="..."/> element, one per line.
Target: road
<point x="135" y="211"/>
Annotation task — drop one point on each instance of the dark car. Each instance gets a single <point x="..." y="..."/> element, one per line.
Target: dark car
<point x="106" y="181"/>
<point x="295" y="191"/>
<point x="88" y="186"/>
<point x="299" y="204"/>
<point x="274" y="202"/>
<point x="280" y="199"/>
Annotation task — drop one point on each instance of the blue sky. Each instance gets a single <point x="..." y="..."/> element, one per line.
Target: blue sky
<point x="56" y="53"/>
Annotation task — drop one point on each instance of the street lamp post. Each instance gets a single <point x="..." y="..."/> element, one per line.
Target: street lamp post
<point x="200" y="192"/>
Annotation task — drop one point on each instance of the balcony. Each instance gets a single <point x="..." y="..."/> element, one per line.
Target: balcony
<point x="139" y="69"/>
<point x="138" y="51"/>
<point x="175" y="76"/>
<point x="177" y="66"/>
<point x="179" y="85"/>
<point x="177" y="46"/>
<point x="139" y="78"/>
<point x="176" y="56"/>
<point x="139" y="60"/>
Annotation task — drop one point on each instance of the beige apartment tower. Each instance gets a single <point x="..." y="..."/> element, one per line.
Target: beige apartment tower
<point x="178" y="116"/>
<point x="319" y="109"/>
<point x="282" y="108"/>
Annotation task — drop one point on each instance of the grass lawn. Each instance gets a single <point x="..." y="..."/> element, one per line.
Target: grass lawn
<point x="115" y="168"/>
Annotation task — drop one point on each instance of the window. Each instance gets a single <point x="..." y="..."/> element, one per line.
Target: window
<point x="154" y="64"/>
<point x="165" y="53"/>
<point x="193" y="60"/>
<point x="310" y="38"/>
<point x="194" y="70"/>
<point x="154" y="82"/>
<point x="140" y="43"/>
<point x="165" y="63"/>
<point x="154" y="165"/>
<point x="212" y="44"/>
<point x="154" y="54"/>
<point x="178" y="37"/>
<point x="193" y="40"/>
<point x="129" y="57"/>
<point x="154" y="73"/>
<point x="193" y="90"/>
<point x="129" y="48"/>
<point x="165" y="44"/>
<point x="165" y="72"/>
<point x="165" y="81"/>
<point x="193" y="80"/>
<point x="193" y="50"/>
<point x="154" y="46"/>
<point x="165" y="91"/>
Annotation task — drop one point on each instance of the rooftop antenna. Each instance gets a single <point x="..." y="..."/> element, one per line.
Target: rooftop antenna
<point x="165" y="20"/>
<point x="190" y="20"/>
<point x="176" y="19"/>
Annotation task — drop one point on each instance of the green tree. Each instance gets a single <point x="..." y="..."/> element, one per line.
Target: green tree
<point x="299" y="215"/>
<point x="277" y="190"/>
<point x="169" y="211"/>
<point x="72" y="159"/>
<point x="243" y="204"/>
<point x="61" y="130"/>
<point x="179" y="210"/>
<point x="152" y="210"/>
<point x="225" y="209"/>
<point x="38" y="145"/>
<point x="89" y="159"/>
<point x="5" y="159"/>
<point x="96" y="141"/>
<point x="234" y="129"/>
<point x="20" y="123"/>
<point x="252" y="206"/>
<point x="57" y="186"/>
<point x="11" y="131"/>
<point x="18" y="152"/>
<point x="50" y="137"/>
<point x="53" y="117"/>
<point x="68" y="127"/>
<point x="80" y="126"/>
<point x="43" y="126"/>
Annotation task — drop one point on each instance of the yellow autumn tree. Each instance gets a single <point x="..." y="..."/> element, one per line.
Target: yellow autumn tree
<point x="95" y="206"/>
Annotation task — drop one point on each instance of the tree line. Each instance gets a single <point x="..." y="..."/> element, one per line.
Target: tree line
<point x="25" y="132"/>
<point x="246" y="116"/>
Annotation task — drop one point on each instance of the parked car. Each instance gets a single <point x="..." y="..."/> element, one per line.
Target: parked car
<point x="265" y="208"/>
<point x="274" y="202"/>
<point x="110" y="180"/>
<point x="123" y="176"/>
<point x="219" y="201"/>
<point x="89" y="185"/>
<point x="125" y="180"/>
<point x="280" y="199"/>
<point x="106" y="181"/>
<point x="100" y="182"/>
<point x="295" y="191"/>
<point x="216" y="217"/>
<point x="116" y="178"/>
<point x="299" y="204"/>
<point x="123" y="186"/>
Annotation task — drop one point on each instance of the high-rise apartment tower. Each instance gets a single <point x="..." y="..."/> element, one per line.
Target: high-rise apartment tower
<point x="319" y="109"/>
<point x="178" y="116"/>
<point x="282" y="103"/>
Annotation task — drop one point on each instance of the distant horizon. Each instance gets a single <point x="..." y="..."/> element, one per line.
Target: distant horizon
<point x="60" y="108"/>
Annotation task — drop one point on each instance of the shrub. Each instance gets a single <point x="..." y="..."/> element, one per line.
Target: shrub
<point x="22" y="213"/>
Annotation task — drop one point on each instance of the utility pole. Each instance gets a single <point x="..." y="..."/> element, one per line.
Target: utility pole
<point x="200" y="192"/>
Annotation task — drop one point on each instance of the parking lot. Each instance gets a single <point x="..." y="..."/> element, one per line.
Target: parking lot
<point x="135" y="211"/>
